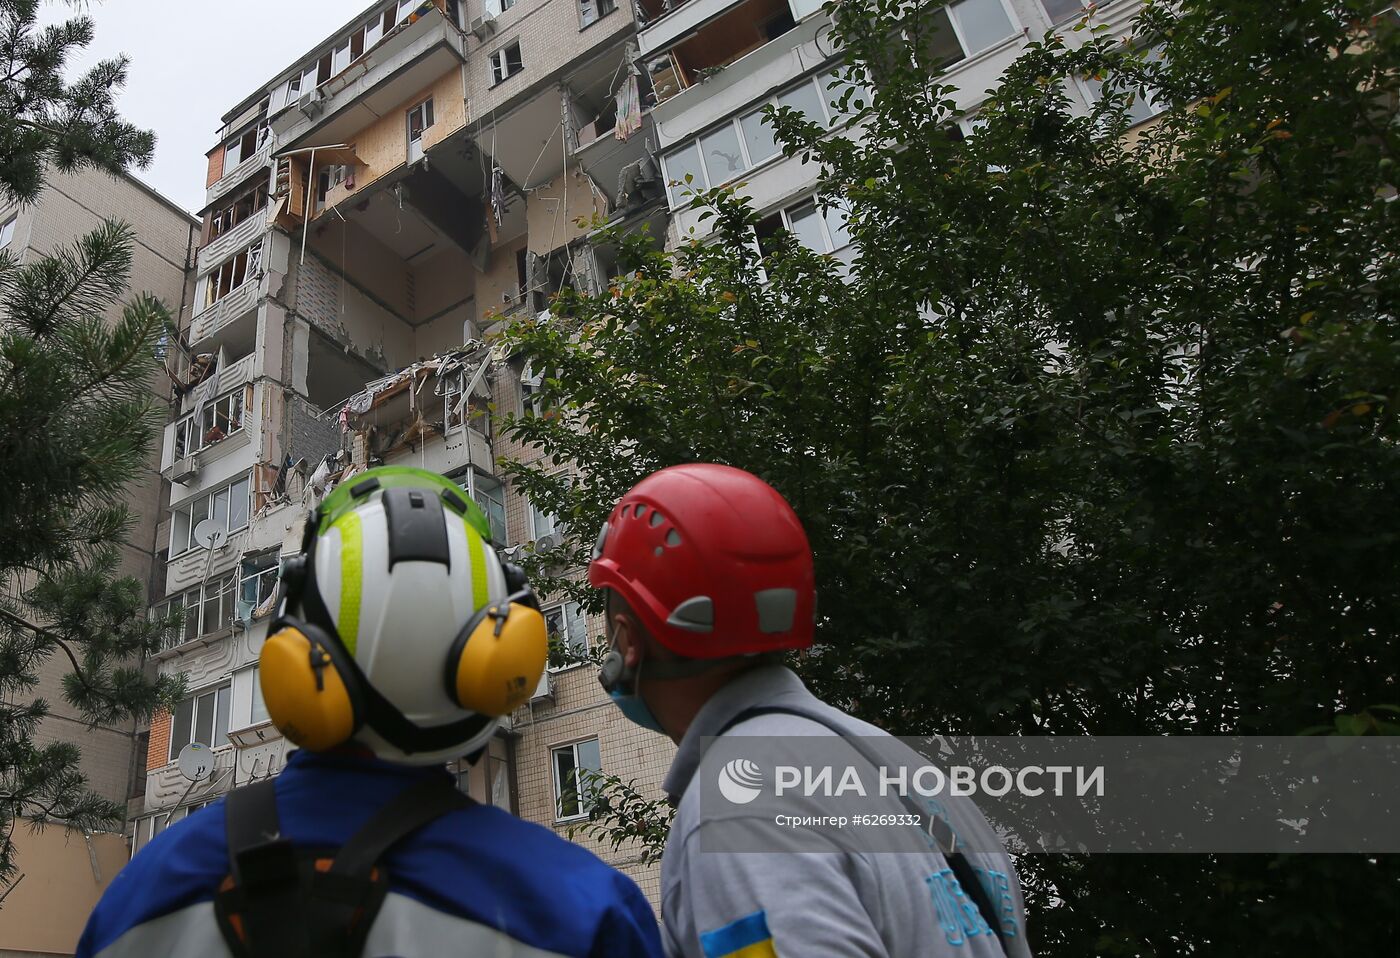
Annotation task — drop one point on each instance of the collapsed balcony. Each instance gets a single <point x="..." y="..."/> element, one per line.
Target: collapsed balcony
<point x="397" y="419"/>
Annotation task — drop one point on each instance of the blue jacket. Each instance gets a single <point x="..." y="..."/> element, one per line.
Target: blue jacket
<point x="477" y="881"/>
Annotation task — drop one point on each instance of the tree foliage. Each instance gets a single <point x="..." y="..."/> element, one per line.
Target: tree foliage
<point x="76" y="423"/>
<point x="1099" y="435"/>
<point x="45" y="120"/>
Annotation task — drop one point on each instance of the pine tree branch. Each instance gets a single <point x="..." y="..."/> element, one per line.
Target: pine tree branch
<point x="23" y="623"/>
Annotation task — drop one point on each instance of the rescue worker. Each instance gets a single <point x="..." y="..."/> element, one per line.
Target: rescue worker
<point x="709" y="579"/>
<point x="399" y="642"/>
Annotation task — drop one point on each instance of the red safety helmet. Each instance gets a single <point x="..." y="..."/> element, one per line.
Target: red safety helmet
<point x="713" y="561"/>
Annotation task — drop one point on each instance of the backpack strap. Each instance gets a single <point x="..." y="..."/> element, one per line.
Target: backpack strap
<point x="407" y="812"/>
<point x="259" y="908"/>
<point x="280" y="901"/>
<point x="939" y="830"/>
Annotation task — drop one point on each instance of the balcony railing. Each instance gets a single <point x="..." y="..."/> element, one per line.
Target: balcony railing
<point x="233" y="177"/>
<point x="235" y="239"/>
<point x="236" y="304"/>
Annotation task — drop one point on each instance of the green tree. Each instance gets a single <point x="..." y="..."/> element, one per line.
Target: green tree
<point x="1099" y="435"/>
<point x="76" y="422"/>
<point x="46" y="121"/>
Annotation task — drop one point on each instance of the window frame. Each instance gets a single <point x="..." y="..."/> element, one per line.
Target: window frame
<point x="226" y="688"/>
<point x="822" y="79"/>
<point x="194" y="440"/>
<point x="426" y="120"/>
<point x="582" y="797"/>
<point x="218" y="283"/>
<point x="602" y="9"/>
<point x="571" y="614"/>
<point x="209" y="499"/>
<point x="8" y="229"/>
<point x="500" y="64"/>
<point x="1092" y="91"/>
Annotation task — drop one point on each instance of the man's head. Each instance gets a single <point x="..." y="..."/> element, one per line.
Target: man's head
<point x="708" y="571"/>
<point x="398" y="627"/>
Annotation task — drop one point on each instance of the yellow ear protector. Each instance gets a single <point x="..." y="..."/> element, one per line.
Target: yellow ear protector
<point x="499" y="656"/>
<point x="317" y="695"/>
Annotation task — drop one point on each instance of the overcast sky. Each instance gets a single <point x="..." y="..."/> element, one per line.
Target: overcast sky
<point x="192" y="62"/>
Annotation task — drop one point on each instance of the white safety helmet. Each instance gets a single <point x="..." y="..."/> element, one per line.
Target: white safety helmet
<point x="409" y="636"/>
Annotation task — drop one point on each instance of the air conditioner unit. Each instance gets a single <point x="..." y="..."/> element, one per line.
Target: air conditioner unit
<point x="549" y="542"/>
<point x="483" y="27"/>
<point x="309" y="103"/>
<point x="181" y="471"/>
<point x="544" y="690"/>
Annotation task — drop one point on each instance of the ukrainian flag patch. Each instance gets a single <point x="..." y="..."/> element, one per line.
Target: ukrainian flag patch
<point x="746" y="938"/>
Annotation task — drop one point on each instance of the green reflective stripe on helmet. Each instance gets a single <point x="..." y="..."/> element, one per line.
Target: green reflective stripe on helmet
<point x="351" y="573"/>
<point x="340" y="501"/>
<point x="477" y="550"/>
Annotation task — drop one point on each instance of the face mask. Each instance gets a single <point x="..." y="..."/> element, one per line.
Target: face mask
<point x="615" y="681"/>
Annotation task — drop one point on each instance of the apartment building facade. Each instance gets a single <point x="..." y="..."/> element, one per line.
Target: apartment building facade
<point x="64" y="870"/>
<point x="375" y="214"/>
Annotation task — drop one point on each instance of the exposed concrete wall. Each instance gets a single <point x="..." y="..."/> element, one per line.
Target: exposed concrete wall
<point x="501" y="277"/>
<point x="552" y="223"/>
<point x="366" y="307"/>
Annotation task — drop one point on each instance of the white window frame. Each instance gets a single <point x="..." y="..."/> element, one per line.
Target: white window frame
<point x="598" y="8"/>
<point x="579" y="792"/>
<point x="574" y="624"/>
<point x="194" y="433"/>
<point x="196" y="600"/>
<point x="257" y="706"/>
<point x="7" y="230"/>
<point x="226" y="688"/>
<point x="553" y="526"/>
<point x="823" y="80"/>
<point x="500" y="64"/>
<point x="426" y="120"/>
<point x="968" y="52"/>
<point x="261" y="582"/>
<point x="187" y="508"/>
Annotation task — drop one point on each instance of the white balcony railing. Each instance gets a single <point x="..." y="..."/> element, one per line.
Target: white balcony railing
<point x="236" y="304"/>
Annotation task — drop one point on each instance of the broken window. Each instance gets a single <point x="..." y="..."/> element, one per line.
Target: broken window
<point x="230" y="274"/>
<point x="491" y="497"/>
<point x="217" y="421"/>
<point x="238" y="209"/>
<point x="506" y="62"/>
<point x="419" y="119"/>
<point x="257" y="586"/>
<point x="591" y="11"/>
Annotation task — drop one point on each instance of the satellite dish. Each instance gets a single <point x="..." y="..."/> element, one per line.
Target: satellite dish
<point x="209" y="534"/>
<point x="196" y="761"/>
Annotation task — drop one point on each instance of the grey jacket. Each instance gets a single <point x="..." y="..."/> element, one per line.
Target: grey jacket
<point x="816" y="904"/>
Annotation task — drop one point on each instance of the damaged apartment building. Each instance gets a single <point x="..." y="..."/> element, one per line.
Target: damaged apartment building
<point x="376" y="213"/>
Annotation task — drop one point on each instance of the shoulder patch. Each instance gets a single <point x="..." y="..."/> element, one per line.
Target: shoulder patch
<point x="748" y="937"/>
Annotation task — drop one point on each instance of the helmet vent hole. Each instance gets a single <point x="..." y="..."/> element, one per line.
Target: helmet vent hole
<point x="659" y="550"/>
<point x="656" y="519"/>
<point x="639" y="511"/>
<point x="673" y="538"/>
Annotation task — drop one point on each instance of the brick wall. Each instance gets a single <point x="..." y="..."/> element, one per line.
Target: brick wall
<point x="216" y="166"/>
<point x="158" y="748"/>
<point x="550" y="39"/>
<point x="310" y="437"/>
